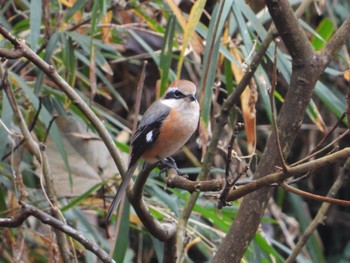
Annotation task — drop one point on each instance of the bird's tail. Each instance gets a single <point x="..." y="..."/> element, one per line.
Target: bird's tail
<point x="121" y="191"/>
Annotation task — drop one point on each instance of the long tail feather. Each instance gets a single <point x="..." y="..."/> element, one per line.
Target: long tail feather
<point x="121" y="191"/>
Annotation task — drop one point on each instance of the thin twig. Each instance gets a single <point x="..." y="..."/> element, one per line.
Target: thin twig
<point x="32" y="145"/>
<point x="295" y="171"/>
<point x="329" y="133"/>
<point x="273" y="109"/>
<point x="228" y="177"/>
<point x="315" y="197"/>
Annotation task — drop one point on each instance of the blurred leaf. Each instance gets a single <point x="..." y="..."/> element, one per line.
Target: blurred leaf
<point x="302" y="214"/>
<point x="228" y="76"/>
<point x="104" y="80"/>
<point x="151" y="22"/>
<point x="189" y="32"/>
<point x="6" y="117"/>
<point x="346" y="75"/>
<point x="211" y="53"/>
<point x="122" y="241"/>
<point x="106" y="29"/>
<point x="82" y="197"/>
<point x="90" y="161"/>
<point x="69" y="61"/>
<point x="51" y="46"/>
<point x="159" y="248"/>
<point x="67" y="3"/>
<point x="330" y="99"/>
<point x="267" y="247"/>
<point x="247" y="104"/>
<point x="166" y="55"/>
<point x="35" y="22"/>
<point x="149" y="50"/>
<point x="44" y="116"/>
<point x="79" y="4"/>
<point x="316" y="116"/>
<point x="324" y="30"/>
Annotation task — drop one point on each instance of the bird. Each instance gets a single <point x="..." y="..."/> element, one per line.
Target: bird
<point x="164" y="128"/>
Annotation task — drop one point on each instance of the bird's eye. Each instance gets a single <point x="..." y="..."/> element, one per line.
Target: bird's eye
<point x="177" y="94"/>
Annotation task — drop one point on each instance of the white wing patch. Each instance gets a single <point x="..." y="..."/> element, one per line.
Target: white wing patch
<point x="149" y="136"/>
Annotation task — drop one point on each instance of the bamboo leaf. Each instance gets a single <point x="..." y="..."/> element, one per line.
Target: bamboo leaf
<point x="166" y="55"/>
<point x="324" y="31"/>
<point x="75" y="8"/>
<point x="121" y="244"/>
<point x="211" y="54"/>
<point x="35" y="23"/>
<point x="52" y="45"/>
<point x="44" y="116"/>
<point x="189" y="31"/>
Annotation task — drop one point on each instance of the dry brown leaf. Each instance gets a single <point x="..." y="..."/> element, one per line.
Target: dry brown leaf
<point x="248" y="100"/>
<point x="89" y="159"/>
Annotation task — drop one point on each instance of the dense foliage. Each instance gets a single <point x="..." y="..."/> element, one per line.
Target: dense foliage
<point x="118" y="57"/>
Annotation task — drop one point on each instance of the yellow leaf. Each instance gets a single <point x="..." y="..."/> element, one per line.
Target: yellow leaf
<point x="67" y="3"/>
<point x="346" y="75"/>
<point x="189" y="28"/>
<point x="106" y="29"/>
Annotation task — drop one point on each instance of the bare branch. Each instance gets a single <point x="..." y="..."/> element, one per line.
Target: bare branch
<point x="10" y="54"/>
<point x="336" y="42"/>
<point x="290" y="31"/>
<point x="28" y="210"/>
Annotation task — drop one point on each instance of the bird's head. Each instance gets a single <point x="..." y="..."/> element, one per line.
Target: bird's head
<point x="179" y="92"/>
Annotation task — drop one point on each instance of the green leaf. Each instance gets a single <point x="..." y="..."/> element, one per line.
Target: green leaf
<point x="267" y="248"/>
<point x="329" y="97"/>
<point x="35" y="23"/>
<point x="211" y="54"/>
<point x="6" y="117"/>
<point x="103" y="78"/>
<point x="122" y="242"/>
<point x="302" y="214"/>
<point x="195" y="15"/>
<point x="52" y="45"/>
<point x="69" y="61"/>
<point x="166" y="55"/>
<point x="75" y="8"/>
<point x="82" y="197"/>
<point x="45" y="117"/>
<point x="324" y="30"/>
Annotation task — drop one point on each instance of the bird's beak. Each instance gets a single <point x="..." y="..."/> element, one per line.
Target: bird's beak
<point x="190" y="97"/>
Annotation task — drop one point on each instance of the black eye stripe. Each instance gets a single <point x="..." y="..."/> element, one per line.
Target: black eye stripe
<point x="174" y="94"/>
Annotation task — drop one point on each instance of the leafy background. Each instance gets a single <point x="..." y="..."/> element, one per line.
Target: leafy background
<point x="99" y="47"/>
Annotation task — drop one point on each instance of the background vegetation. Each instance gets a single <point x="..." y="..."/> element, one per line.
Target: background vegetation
<point x="76" y="76"/>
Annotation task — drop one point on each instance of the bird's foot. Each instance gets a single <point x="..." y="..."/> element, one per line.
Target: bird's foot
<point x="168" y="163"/>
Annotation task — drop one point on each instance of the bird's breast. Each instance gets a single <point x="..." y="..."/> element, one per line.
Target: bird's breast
<point x="175" y="131"/>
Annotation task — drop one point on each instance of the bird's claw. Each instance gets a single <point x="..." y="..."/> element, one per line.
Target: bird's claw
<point x="168" y="163"/>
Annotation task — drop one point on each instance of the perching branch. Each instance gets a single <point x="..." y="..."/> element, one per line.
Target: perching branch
<point x="277" y="177"/>
<point x="163" y="231"/>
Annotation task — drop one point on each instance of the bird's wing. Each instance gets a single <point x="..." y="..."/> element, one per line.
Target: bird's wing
<point x="148" y="130"/>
